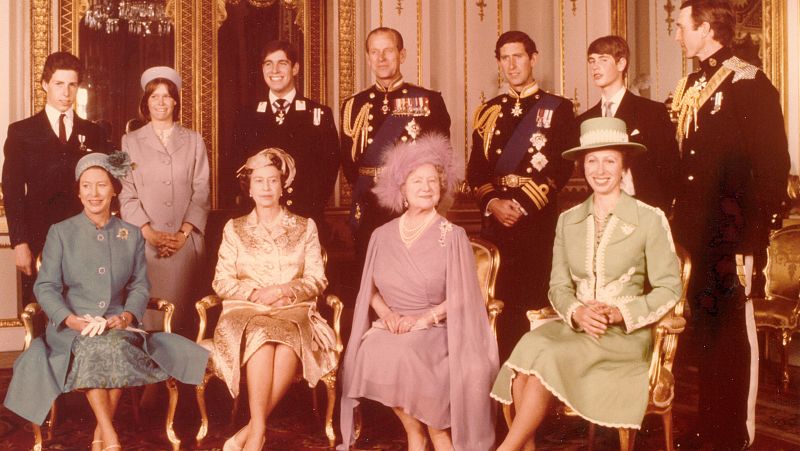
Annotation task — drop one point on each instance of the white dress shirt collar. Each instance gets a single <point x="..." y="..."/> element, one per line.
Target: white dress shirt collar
<point x="52" y="116"/>
<point x="615" y="99"/>
<point x="289" y="98"/>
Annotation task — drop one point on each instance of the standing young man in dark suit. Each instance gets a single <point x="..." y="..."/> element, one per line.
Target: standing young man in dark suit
<point x="651" y="175"/>
<point x="733" y="175"/>
<point x="40" y="157"/>
<point x="302" y="127"/>
<point x="516" y="171"/>
<point x="390" y="111"/>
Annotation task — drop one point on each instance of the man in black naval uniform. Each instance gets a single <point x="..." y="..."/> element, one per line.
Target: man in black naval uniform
<point x="39" y="170"/>
<point x="300" y="126"/>
<point x="516" y="171"/>
<point x="652" y="173"/>
<point x="733" y="175"/>
<point x="373" y="120"/>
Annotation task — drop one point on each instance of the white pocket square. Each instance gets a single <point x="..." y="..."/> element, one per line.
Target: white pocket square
<point x="635" y="132"/>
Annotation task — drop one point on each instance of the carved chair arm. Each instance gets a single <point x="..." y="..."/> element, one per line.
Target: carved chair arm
<point x="543" y="313"/>
<point x="495" y="308"/>
<point x="664" y="345"/>
<point x="336" y="304"/>
<point x="165" y="306"/>
<point x="28" y="316"/>
<point x="202" y="306"/>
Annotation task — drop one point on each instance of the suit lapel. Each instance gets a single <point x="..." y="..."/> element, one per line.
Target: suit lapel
<point x="626" y="110"/>
<point x="178" y="140"/>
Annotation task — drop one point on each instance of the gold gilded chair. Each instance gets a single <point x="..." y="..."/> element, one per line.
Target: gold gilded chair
<point x="661" y="377"/>
<point x="211" y="302"/>
<point x="34" y="319"/>
<point x="778" y="311"/>
<point x="487" y="262"/>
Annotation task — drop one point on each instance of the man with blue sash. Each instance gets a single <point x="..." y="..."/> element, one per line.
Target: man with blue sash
<point x="374" y="120"/>
<point x="516" y="172"/>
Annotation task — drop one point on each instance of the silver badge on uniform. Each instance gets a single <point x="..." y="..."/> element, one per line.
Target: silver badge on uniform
<point x="262" y="107"/>
<point x="317" y="116"/>
<point x="538" y="140"/>
<point x="539" y="161"/>
<point x="717" y="103"/>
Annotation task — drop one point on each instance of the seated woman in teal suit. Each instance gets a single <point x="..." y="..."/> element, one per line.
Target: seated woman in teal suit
<point x="606" y="250"/>
<point x="94" y="274"/>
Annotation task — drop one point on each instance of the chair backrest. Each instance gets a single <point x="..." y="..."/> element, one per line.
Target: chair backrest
<point x="487" y="262"/>
<point x="783" y="263"/>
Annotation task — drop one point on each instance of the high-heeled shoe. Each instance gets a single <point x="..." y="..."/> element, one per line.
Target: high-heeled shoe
<point x="113" y="447"/>
<point x="231" y="444"/>
<point x="96" y="441"/>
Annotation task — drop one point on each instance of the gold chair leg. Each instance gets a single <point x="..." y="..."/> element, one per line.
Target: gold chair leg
<point x="507" y="415"/>
<point x="200" y="392"/>
<point x="627" y="437"/>
<point x="592" y="435"/>
<point x="357" y="423"/>
<point x="37" y="437"/>
<point x="786" y="338"/>
<point x="51" y="423"/>
<point x="330" y="384"/>
<point x="666" y="418"/>
<point x="172" y="387"/>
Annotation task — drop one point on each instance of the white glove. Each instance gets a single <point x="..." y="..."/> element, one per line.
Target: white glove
<point x="96" y="325"/>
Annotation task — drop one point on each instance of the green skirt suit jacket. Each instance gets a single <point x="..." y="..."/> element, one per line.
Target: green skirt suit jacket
<point x="604" y="380"/>
<point x="100" y="272"/>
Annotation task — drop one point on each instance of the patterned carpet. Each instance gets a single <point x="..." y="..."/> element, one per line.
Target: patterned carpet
<point x="296" y="427"/>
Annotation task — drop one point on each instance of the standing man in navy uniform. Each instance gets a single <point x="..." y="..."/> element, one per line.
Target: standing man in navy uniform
<point x="40" y="156"/>
<point x="516" y="171"/>
<point x="373" y="120"/>
<point x="302" y="127"/>
<point x="651" y="176"/>
<point x="733" y="175"/>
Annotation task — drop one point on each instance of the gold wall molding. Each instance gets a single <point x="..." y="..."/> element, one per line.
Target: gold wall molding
<point x="619" y="18"/>
<point x="41" y="18"/>
<point x="562" y="46"/>
<point x="347" y="48"/>
<point x="419" y="42"/>
<point x="774" y="44"/>
<point x="466" y="85"/>
<point x="10" y="322"/>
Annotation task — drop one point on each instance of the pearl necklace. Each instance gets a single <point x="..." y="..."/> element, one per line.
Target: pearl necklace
<point x="410" y="234"/>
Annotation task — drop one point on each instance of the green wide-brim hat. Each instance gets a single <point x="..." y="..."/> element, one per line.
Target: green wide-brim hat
<point x="603" y="133"/>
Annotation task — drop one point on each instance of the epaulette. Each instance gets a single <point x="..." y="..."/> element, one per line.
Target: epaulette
<point x="484" y="123"/>
<point x="742" y="70"/>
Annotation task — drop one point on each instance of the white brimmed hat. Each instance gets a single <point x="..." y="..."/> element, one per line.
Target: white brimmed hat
<point x="603" y="133"/>
<point x="161" y="72"/>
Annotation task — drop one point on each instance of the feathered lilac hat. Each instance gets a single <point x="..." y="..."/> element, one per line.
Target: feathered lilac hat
<point x="402" y="159"/>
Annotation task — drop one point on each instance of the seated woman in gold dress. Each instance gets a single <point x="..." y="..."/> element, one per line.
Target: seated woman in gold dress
<point x="269" y="272"/>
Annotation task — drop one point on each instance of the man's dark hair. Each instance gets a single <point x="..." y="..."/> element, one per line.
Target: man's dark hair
<point x="513" y="36"/>
<point x="612" y="45"/>
<point x="398" y="38"/>
<point x="277" y="45"/>
<point x="718" y="13"/>
<point x="61" y="61"/>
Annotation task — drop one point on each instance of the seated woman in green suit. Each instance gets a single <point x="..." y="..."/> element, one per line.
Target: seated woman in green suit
<point x="606" y="251"/>
<point x="93" y="287"/>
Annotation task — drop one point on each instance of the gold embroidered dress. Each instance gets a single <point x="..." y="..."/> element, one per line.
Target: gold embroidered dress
<point x="252" y="256"/>
<point x="604" y="380"/>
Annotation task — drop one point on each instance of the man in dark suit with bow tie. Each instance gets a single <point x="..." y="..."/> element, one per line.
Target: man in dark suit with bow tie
<point x="300" y="126"/>
<point x="651" y="175"/>
<point x="40" y="157"/>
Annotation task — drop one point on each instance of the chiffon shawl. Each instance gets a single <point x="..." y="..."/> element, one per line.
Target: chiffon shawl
<point x="472" y="349"/>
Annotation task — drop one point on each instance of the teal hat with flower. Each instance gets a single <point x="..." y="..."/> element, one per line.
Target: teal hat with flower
<point x="603" y="133"/>
<point x="117" y="163"/>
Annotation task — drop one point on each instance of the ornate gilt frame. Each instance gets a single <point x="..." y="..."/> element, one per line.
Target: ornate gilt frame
<point x="196" y="23"/>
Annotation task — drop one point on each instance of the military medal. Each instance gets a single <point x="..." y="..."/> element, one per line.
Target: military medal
<point x="717" y="102"/>
<point x="385" y="107"/>
<point x="544" y="118"/>
<point x="280" y="117"/>
<point x="317" y="116"/>
<point x="413" y="129"/>
<point x="539" y="161"/>
<point x="517" y="110"/>
<point x="82" y="140"/>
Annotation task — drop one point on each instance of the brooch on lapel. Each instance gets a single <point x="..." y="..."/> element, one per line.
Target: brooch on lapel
<point x="627" y="229"/>
<point x="444" y="227"/>
<point x="413" y="129"/>
<point x="122" y="234"/>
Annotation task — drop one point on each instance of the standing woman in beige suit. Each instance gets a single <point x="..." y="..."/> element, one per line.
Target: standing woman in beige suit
<point x="167" y="193"/>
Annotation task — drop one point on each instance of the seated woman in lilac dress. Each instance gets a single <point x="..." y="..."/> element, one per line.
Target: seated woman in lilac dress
<point x="430" y="354"/>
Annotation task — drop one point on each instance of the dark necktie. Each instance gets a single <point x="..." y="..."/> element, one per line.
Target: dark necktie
<point x="62" y="129"/>
<point x="281" y="107"/>
<point x="607" y="109"/>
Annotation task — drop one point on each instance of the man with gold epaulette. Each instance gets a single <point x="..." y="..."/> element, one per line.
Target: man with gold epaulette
<point x="516" y="172"/>
<point x="733" y="175"/>
<point x="373" y="120"/>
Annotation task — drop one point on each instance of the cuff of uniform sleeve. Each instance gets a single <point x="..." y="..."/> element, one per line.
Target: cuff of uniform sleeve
<point x="568" y="317"/>
<point x="486" y="211"/>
